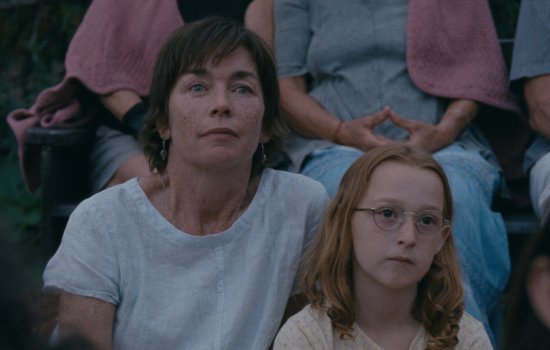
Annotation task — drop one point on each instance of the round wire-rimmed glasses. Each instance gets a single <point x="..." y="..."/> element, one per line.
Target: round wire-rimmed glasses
<point x="429" y="223"/>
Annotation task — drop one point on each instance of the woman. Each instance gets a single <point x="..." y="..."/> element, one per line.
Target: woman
<point x="378" y="279"/>
<point x="527" y="324"/>
<point x="379" y="73"/>
<point x="203" y="252"/>
<point x="109" y="65"/>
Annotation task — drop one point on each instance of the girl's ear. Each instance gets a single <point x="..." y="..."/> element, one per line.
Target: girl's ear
<point x="444" y="236"/>
<point x="538" y="288"/>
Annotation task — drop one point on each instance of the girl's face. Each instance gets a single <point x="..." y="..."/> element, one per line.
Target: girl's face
<point x="215" y="114"/>
<point x="398" y="258"/>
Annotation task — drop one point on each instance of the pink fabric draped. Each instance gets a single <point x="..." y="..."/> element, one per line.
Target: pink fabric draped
<point x="114" y="48"/>
<point x="453" y="51"/>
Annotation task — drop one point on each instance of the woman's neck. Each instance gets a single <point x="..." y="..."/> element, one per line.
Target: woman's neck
<point x="206" y="202"/>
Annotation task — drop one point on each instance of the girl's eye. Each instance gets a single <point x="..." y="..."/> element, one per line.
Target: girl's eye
<point x="387" y="212"/>
<point x="427" y="220"/>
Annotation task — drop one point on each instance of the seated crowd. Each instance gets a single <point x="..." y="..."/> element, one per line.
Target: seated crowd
<point x="273" y="148"/>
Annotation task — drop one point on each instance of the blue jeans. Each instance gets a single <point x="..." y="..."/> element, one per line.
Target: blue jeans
<point x="479" y="233"/>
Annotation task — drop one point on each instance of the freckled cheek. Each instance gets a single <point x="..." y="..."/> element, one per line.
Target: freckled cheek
<point x="252" y="115"/>
<point x="181" y="112"/>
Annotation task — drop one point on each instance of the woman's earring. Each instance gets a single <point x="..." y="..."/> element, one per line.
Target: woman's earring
<point x="163" y="151"/>
<point x="264" y="157"/>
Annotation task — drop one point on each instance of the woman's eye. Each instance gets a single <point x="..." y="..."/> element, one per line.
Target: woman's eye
<point x="197" y="88"/>
<point x="242" y="89"/>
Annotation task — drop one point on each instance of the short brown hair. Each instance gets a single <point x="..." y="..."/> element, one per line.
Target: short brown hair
<point x="327" y="267"/>
<point x="193" y="46"/>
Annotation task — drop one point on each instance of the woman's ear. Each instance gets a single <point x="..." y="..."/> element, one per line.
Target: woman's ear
<point x="164" y="130"/>
<point x="538" y="288"/>
<point x="264" y="137"/>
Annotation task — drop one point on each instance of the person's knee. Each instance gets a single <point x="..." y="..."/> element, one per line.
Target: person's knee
<point x="539" y="182"/>
<point x="328" y="166"/>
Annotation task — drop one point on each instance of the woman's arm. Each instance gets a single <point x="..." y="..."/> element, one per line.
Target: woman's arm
<point x="259" y="18"/>
<point x="432" y="138"/>
<point x="305" y="115"/>
<point x="86" y="317"/>
<point x="308" y="118"/>
<point x="120" y="102"/>
<point x="128" y="109"/>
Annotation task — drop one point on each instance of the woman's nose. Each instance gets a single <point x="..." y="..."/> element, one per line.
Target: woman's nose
<point x="220" y="103"/>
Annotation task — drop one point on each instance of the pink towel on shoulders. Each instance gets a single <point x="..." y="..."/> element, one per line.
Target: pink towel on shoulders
<point x="453" y="51"/>
<point x="114" y="48"/>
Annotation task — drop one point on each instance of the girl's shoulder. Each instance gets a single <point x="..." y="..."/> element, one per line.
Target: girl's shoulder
<point x="472" y="334"/>
<point x="308" y="329"/>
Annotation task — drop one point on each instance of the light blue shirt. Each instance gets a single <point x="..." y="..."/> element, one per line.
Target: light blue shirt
<point x="531" y="58"/>
<point x="355" y="53"/>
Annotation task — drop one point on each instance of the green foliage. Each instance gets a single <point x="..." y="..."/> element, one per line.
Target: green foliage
<point x="33" y="44"/>
<point x="34" y="41"/>
<point x="20" y="209"/>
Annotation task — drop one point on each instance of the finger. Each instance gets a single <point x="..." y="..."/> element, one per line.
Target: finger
<point x="379" y="117"/>
<point x="402" y="122"/>
<point x="381" y="140"/>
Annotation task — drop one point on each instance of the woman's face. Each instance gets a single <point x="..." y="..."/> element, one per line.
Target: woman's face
<point x="399" y="258"/>
<point x="215" y="114"/>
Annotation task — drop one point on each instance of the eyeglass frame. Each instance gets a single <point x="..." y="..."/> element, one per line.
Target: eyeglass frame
<point x="445" y="222"/>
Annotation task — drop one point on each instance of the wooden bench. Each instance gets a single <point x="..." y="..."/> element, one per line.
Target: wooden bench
<point x="64" y="168"/>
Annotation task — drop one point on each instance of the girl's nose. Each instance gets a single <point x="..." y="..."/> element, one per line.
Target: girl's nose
<point x="407" y="231"/>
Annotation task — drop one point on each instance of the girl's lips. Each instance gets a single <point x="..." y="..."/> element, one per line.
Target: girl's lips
<point x="401" y="259"/>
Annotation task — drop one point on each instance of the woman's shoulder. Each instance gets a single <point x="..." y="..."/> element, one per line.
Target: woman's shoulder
<point x="294" y="192"/>
<point x="292" y="181"/>
<point x="111" y="199"/>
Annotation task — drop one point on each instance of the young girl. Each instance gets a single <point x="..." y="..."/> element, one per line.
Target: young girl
<point x="383" y="273"/>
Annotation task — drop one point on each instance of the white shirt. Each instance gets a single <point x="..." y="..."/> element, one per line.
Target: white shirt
<point x="174" y="290"/>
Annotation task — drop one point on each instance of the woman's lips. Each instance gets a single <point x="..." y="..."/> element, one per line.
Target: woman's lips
<point x="220" y="131"/>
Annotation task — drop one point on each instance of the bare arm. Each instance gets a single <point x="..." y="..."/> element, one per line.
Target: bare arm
<point x="120" y="102"/>
<point x="89" y="318"/>
<point x="308" y="118"/>
<point x="259" y="18"/>
<point x="459" y="114"/>
<point x="432" y="138"/>
<point x="537" y="95"/>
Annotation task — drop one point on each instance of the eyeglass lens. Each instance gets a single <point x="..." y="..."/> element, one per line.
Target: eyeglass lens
<point x="428" y="223"/>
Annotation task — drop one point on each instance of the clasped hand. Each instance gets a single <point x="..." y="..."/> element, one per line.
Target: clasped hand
<point x="359" y="133"/>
